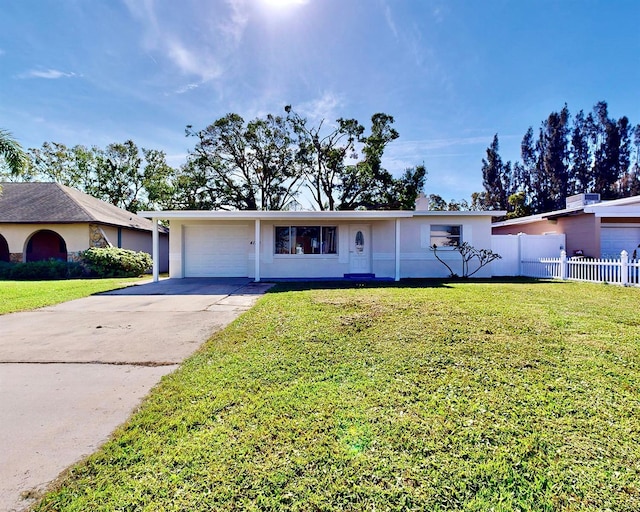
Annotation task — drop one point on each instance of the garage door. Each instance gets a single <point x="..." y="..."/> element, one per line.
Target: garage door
<point x="216" y="251"/>
<point x="614" y="239"/>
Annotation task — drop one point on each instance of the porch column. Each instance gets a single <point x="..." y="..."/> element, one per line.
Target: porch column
<point x="155" y="251"/>
<point x="397" y="277"/>
<point x="256" y="248"/>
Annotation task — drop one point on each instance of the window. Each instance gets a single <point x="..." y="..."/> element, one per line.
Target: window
<point x="445" y="236"/>
<point x="306" y="240"/>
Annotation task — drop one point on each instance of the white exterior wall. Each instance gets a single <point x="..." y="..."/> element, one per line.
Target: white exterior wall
<point x="301" y="265"/>
<point x="417" y="260"/>
<point x="175" y="249"/>
<point x="316" y="265"/>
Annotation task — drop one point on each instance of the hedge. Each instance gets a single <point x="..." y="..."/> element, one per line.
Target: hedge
<point x="41" y="270"/>
<point x="94" y="262"/>
<point x="115" y="262"/>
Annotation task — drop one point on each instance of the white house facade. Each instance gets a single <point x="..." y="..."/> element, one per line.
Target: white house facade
<point x="265" y="245"/>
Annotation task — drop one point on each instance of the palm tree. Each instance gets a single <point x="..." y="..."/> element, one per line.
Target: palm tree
<point x="11" y="153"/>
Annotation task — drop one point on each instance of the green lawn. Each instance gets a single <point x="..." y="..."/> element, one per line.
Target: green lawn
<point x="25" y="295"/>
<point x="463" y="396"/>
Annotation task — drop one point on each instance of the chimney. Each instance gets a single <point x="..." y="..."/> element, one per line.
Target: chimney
<point x="422" y="202"/>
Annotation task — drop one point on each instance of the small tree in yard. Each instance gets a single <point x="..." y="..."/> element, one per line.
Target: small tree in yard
<point x="468" y="253"/>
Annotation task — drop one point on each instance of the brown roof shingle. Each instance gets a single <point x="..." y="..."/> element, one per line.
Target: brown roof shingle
<point x="40" y="203"/>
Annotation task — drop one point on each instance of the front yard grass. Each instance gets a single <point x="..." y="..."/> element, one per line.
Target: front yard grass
<point x="25" y="295"/>
<point x="456" y="396"/>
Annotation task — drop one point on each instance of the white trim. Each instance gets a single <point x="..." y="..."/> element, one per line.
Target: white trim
<point x="356" y="215"/>
<point x="613" y="211"/>
<point x="155" y="250"/>
<point x="256" y="244"/>
<point x="397" y="250"/>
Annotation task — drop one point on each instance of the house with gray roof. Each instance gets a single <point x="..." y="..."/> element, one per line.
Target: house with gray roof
<point x="39" y="221"/>
<point x="592" y="228"/>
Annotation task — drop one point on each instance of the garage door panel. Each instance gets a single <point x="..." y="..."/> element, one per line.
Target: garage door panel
<point x="216" y="251"/>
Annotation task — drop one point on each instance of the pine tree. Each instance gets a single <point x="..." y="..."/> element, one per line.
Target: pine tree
<point x="580" y="173"/>
<point x="496" y="178"/>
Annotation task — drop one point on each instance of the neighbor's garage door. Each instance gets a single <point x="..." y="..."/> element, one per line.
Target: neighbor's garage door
<point x="614" y="239"/>
<point x="216" y="251"/>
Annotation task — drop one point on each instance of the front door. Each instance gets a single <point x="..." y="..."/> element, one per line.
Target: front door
<point x="359" y="249"/>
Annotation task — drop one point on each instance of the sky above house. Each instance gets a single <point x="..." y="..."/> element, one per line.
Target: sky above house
<point x="451" y="72"/>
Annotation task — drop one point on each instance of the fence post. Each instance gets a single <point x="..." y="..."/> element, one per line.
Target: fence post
<point x="624" y="268"/>
<point x="563" y="265"/>
<point x="519" y="235"/>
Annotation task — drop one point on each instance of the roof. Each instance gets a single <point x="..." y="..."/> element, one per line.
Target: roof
<point x="310" y="215"/>
<point x="52" y="203"/>
<point x="626" y="207"/>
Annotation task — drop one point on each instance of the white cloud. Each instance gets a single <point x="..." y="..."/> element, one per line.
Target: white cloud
<point x="324" y="107"/>
<point x="192" y="62"/>
<point x="199" y="41"/>
<point x="187" y="88"/>
<point x="235" y="25"/>
<point x="389" y="19"/>
<point x="50" y="74"/>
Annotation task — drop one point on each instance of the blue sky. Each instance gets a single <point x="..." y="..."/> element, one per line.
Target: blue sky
<point x="451" y="72"/>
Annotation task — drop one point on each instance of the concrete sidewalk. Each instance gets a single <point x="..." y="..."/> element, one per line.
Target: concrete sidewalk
<point x="71" y="373"/>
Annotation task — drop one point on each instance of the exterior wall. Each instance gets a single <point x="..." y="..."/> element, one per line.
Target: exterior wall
<point x="382" y="252"/>
<point x="416" y="260"/>
<point x="76" y="237"/>
<point x="131" y="239"/>
<point x="143" y="241"/>
<point x="79" y="237"/>
<point x="176" y="243"/>
<point x="582" y="232"/>
<point x="539" y="227"/>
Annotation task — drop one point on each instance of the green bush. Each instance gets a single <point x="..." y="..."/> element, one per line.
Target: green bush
<point x="115" y="262"/>
<point x="40" y="270"/>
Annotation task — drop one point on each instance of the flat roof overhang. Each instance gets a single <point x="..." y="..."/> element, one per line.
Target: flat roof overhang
<point x="310" y="215"/>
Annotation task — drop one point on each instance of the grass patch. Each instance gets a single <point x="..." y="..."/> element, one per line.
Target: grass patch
<point x="461" y="396"/>
<point x="26" y="295"/>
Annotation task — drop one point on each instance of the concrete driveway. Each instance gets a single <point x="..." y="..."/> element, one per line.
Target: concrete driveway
<point x="71" y="373"/>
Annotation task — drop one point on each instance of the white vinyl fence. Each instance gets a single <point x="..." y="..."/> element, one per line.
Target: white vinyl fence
<point x="621" y="271"/>
<point x="515" y="249"/>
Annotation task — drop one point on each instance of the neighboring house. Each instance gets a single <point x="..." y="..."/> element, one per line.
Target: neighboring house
<point x="329" y="244"/>
<point x="39" y="221"/>
<point x="592" y="228"/>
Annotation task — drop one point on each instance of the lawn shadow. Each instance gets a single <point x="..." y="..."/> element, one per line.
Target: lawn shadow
<point x="292" y="285"/>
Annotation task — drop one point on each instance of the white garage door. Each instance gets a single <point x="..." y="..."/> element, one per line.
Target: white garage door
<point x="216" y="251"/>
<point x="614" y="239"/>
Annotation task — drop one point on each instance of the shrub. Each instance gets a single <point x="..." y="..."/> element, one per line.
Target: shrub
<point x="40" y="270"/>
<point x="115" y="262"/>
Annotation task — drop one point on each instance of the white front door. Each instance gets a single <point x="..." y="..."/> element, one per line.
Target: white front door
<point x="359" y="249"/>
